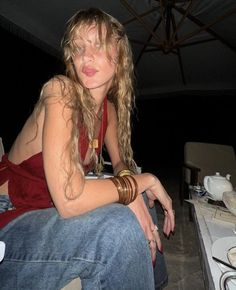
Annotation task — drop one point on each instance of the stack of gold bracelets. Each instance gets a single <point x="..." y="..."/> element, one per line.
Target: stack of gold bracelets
<point x="127" y="190"/>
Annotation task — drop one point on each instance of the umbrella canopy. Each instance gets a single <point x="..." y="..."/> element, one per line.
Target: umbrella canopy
<point x="178" y="45"/>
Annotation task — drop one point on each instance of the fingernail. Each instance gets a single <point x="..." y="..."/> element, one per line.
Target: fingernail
<point x="167" y="236"/>
<point x="154" y="263"/>
<point x="161" y="249"/>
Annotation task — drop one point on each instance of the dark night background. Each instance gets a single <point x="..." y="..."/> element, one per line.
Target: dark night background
<point x="160" y="128"/>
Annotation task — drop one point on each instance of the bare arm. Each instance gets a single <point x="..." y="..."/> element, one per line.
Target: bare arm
<point x="56" y="134"/>
<point x="91" y="193"/>
<point x="138" y="206"/>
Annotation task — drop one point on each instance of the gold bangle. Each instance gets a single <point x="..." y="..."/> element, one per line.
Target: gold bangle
<point x="124" y="189"/>
<point x="120" y="189"/>
<point x="130" y="187"/>
<point x="135" y="186"/>
<point x="125" y="172"/>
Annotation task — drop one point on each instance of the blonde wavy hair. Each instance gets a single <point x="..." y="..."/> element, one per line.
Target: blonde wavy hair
<point x="121" y="92"/>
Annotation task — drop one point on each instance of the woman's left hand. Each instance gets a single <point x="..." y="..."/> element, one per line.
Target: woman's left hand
<point x="150" y="229"/>
<point x="158" y="192"/>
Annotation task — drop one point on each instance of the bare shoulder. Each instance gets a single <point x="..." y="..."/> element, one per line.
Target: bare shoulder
<point x="57" y="87"/>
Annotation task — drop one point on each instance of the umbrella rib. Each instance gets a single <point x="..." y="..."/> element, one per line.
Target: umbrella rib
<point x="180" y="23"/>
<point x="140" y="15"/>
<point x="132" y="11"/>
<point x="168" y="22"/>
<point x="178" y="49"/>
<point x="147" y="42"/>
<point x="205" y="27"/>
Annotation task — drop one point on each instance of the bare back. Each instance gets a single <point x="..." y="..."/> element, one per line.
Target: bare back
<point x="27" y="143"/>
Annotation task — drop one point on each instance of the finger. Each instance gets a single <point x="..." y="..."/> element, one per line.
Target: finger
<point x="157" y="238"/>
<point x="166" y="227"/>
<point x="151" y="203"/>
<point x="169" y="222"/>
<point x="153" y="249"/>
<point x="172" y="220"/>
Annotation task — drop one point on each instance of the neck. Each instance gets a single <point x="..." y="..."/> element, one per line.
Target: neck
<point x="99" y="95"/>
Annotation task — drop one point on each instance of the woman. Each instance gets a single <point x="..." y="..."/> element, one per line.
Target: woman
<point x="58" y="225"/>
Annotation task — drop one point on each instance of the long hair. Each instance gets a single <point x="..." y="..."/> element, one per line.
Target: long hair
<point x="121" y="92"/>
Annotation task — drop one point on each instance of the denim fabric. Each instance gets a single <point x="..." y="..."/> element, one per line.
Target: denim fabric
<point x="106" y="248"/>
<point x="5" y="203"/>
<point x="160" y="270"/>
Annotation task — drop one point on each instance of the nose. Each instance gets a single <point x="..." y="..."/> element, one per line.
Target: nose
<point x="88" y="53"/>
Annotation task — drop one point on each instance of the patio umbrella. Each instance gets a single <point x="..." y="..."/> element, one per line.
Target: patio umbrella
<point x="183" y="43"/>
<point x="178" y="45"/>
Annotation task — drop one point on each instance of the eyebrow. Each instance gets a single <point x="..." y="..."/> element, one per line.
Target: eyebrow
<point x="85" y="40"/>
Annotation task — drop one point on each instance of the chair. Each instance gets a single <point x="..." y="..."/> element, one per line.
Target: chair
<point x="73" y="285"/>
<point x="201" y="159"/>
<point x="1" y="149"/>
<point x="2" y="244"/>
<point x="2" y="250"/>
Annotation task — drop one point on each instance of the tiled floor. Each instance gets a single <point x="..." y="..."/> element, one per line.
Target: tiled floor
<point x="181" y="249"/>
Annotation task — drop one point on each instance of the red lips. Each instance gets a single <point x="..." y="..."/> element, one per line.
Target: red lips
<point x="88" y="71"/>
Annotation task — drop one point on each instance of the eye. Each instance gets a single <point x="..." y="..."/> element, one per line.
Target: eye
<point x="79" y="49"/>
<point x="98" y="45"/>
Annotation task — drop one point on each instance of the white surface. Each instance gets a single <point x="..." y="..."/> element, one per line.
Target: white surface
<point x="219" y="250"/>
<point x="2" y="250"/>
<point x="93" y="176"/>
<point x="221" y="247"/>
<point x="209" y="230"/>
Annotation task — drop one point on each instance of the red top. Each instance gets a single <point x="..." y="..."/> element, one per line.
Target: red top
<point x="27" y="186"/>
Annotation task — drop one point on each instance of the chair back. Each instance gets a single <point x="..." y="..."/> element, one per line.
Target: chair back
<point x="1" y="149"/>
<point x="210" y="158"/>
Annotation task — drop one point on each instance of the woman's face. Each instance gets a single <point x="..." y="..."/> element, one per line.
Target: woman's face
<point x="92" y="63"/>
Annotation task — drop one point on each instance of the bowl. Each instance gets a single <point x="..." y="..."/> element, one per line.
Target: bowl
<point x="229" y="199"/>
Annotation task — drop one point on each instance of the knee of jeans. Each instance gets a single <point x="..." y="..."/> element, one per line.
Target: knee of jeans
<point x="122" y="225"/>
<point x="109" y="227"/>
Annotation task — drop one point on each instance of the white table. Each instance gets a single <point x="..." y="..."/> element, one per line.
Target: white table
<point x="208" y="231"/>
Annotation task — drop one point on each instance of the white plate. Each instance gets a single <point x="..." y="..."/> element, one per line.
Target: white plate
<point x="219" y="250"/>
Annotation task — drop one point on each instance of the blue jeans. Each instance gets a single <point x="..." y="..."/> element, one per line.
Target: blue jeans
<point x="106" y="248"/>
<point x="5" y="203"/>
